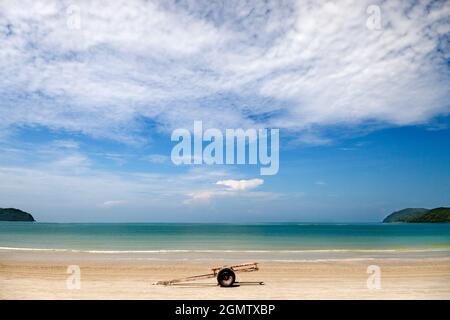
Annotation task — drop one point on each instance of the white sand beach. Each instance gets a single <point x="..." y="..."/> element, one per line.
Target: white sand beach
<point x="25" y="275"/>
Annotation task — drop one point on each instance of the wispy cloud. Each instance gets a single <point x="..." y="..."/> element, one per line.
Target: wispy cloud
<point x="112" y="203"/>
<point x="293" y="65"/>
<point x="202" y="196"/>
<point x="241" y="184"/>
<point x="72" y="161"/>
<point x="157" y="158"/>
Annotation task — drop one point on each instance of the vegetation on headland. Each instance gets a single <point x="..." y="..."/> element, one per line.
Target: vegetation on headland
<point x="405" y="215"/>
<point x="434" y="215"/>
<point x="13" y="214"/>
<point x="420" y="215"/>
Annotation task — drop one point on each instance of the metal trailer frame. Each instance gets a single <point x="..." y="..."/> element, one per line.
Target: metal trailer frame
<point x="243" y="267"/>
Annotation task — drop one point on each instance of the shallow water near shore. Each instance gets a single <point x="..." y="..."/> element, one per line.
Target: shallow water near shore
<point x="283" y="241"/>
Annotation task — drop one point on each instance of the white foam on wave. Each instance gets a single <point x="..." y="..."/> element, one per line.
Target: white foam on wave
<point x="164" y="251"/>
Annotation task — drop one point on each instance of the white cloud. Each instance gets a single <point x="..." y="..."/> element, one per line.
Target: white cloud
<point x="241" y="184"/>
<point x="71" y="161"/>
<point x="112" y="203"/>
<point x="307" y="64"/>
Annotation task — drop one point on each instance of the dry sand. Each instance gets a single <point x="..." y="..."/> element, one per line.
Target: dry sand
<point x="23" y="276"/>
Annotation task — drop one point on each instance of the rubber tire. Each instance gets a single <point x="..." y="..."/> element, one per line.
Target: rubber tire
<point x="226" y="277"/>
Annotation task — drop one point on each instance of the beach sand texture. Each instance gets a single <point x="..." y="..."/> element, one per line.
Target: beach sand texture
<point x="24" y="276"/>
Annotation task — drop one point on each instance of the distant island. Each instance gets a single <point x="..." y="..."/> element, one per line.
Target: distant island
<point x="419" y="215"/>
<point x="12" y="214"/>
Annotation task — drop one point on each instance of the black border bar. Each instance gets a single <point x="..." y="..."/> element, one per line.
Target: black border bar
<point x="228" y="309"/>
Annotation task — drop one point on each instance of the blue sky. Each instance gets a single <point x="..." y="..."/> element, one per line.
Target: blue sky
<point x="90" y="93"/>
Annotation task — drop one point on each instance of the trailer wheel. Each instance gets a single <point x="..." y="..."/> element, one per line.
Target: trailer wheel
<point x="226" y="277"/>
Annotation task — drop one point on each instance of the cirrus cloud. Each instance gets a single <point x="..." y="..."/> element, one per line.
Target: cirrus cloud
<point x="295" y="65"/>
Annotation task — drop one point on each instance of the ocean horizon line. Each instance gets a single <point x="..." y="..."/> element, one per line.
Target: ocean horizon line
<point x="218" y="223"/>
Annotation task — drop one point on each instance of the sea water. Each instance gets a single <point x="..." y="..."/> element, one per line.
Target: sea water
<point x="282" y="241"/>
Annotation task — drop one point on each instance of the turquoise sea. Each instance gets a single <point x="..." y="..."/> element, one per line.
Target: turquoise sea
<point x="282" y="241"/>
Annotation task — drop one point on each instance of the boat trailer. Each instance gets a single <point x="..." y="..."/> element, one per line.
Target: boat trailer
<point x="226" y="275"/>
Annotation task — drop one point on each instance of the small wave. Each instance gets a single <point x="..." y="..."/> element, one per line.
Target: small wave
<point x="168" y="251"/>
